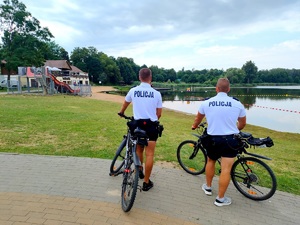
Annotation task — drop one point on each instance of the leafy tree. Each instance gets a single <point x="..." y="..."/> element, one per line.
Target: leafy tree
<point x="235" y="75"/>
<point x="64" y="54"/>
<point x="87" y="59"/>
<point x="127" y="69"/>
<point x="110" y="69"/>
<point x="155" y="73"/>
<point x="263" y="76"/>
<point x="184" y="75"/>
<point x="79" y="58"/>
<point x="250" y="70"/>
<point x="215" y="74"/>
<point x="282" y="75"/>
<point x="295" y="74"/>
<point x="53" y="51"/>
<point x="180" y="74"/>
<point x="171" y="75"/>
<point x="201" y="78"/>
<point x="159" y="78"/>
<point x="23" y="39"/>
<point x="192" y="78"/>
<point x="95" y="70"/>
<point x="99" y="66"/>
<point x="162" y="75"/>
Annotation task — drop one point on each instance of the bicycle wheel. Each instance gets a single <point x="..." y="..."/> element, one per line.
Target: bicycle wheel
<point x="253" y="178"/>
<point x="118" y="160"/>
<point x="129" y="186"/>
<point x="191" y="158"/>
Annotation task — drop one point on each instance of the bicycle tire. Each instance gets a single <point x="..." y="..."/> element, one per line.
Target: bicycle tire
<point x="118" y="160"/>
<point x="253" y="178"/>
<point x="129" y="185"/>
<point x="191" y="158"/>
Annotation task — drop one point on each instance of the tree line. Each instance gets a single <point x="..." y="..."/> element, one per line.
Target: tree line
<point x="26" y="43"/>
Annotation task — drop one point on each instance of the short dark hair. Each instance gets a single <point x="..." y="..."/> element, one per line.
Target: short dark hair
<point x="145" y="74"/>
<point x="223" y="85"/>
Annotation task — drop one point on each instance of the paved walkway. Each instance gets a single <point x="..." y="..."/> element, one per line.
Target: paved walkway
<point x="68" y="190"/>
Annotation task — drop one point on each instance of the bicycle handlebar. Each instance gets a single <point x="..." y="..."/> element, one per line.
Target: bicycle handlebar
<point x="126" y="117"/>
<point x="247" y="138"/>
<point x="203" y="124"/>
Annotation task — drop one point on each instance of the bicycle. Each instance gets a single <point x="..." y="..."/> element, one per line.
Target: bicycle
<point x="127" y="162"/>
<point x="252" y="177"/>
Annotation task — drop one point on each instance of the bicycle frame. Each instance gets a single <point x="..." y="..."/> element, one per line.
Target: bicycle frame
<point x="131" y="149"/>
<point x="131" y="168"/>
<point x="131" y="144"/>
<point x="256" y="155"/>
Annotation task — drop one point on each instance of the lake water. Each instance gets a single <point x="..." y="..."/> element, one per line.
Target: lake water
<point x="276" y="108"/>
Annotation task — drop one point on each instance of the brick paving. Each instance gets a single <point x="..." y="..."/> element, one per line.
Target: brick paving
<point x="72" y="190"/>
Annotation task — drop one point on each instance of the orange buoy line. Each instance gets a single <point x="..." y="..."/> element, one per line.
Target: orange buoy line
<point x="273" y="108"/>
<point x="290" y="96"/>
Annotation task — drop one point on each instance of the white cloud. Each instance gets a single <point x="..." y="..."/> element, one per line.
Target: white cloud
<point x="175" y="34"/>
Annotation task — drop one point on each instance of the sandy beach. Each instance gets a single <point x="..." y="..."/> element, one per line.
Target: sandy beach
<point x="98" y="92"/>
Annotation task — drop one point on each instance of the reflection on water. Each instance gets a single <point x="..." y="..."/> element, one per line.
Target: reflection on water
<point x="274" y="108"/>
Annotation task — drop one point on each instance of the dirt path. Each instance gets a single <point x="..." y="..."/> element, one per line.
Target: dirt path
<point x="98" y="92"/>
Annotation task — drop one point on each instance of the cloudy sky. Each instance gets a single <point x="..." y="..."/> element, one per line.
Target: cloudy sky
<point x="194" y="34"/>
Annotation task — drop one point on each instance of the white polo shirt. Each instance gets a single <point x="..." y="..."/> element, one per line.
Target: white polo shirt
<point x="145" y="100"/>
<point x="222" y="113"/>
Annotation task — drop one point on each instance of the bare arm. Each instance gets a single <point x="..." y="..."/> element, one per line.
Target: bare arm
<point x="124" y="107"/>
<point x="158" y="112"/>
<point x="241" y="122"/>
<point x="197" y="120"/>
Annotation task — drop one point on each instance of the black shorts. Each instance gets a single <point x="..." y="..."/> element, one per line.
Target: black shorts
<point x="146" y="125"/>
<point x="223" y="146"/>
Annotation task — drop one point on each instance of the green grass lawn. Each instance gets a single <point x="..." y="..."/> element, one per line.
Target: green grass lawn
<point x="77" y="126"/>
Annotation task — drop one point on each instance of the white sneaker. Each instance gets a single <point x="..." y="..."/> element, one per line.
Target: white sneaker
<point x="206" y="190"/>
<point x="226" y="201"/>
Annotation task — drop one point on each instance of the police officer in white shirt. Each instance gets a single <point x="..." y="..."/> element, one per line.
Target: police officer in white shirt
<point x="147" y="109"/>
<point x="225" y="116"/>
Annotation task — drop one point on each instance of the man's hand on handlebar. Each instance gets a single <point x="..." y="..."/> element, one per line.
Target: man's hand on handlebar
<point x="203" y="124"/>
<point x="124" y="116"/>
